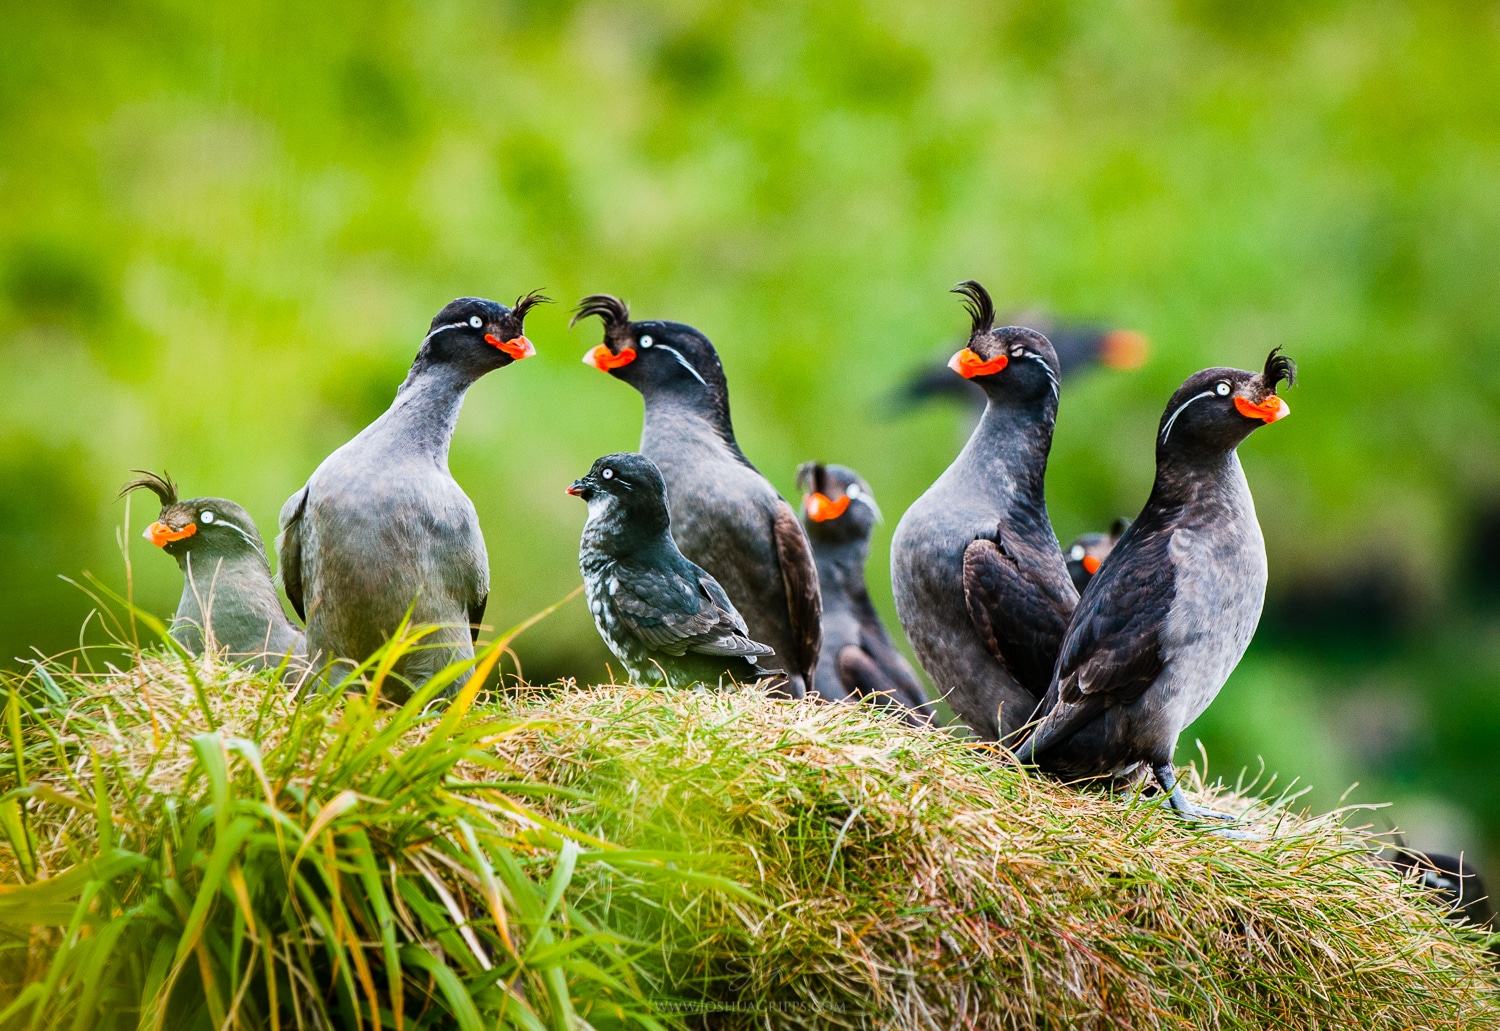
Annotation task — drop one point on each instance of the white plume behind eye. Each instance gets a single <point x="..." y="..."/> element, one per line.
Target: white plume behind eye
<point x="864" y="497"/>
<point x="683" y="362"/>
<point x="1167" y="429"/>
<point x="1051" y="376"/>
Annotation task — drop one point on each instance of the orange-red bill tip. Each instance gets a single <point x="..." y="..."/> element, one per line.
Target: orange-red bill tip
<point x="573" y="489"/>
<point x="1269" y="410"/>
<point x="603" y="359"/>
<point x="1091" y="564"/>
<point x="968" y="364"/>
<point x="160" y="534"/>
<point x="821" y="508"/>
<point x="1124" y="349"/>
<point x="516" y="347"/>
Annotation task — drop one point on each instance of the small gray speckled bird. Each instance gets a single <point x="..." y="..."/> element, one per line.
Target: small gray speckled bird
<point x="382" y="527"/>
<point x="663" y="616"/>
<point x="1168" y="617"/>
<point x="227" y="593"/>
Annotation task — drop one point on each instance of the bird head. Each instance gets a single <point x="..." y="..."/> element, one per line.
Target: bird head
<point x="652" y="356"/>
<point x="1011" y="363"/>
<point x="478" y="334"/>
<point x="1086" y="554"/>
<point x="200" y="526"/>
<point x="625" y="488"/>
<point x="837" y="504"/>
<point x="1216" y="409"/>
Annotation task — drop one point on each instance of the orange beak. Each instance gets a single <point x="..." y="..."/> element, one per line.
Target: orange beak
<point x="160" y="534"/>
<point x="516" y="347"/>
<point x="968" y="364"/>
<point x="1091" y="564"/>
<point x="1269" y="410"/>
<point x="603" y="359"/>
<point x="1123" y="349"/>
<point x="820" y="508"/>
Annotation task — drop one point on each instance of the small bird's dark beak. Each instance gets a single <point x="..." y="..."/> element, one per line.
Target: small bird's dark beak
<point x="578" y="488"/>
<point x="160" y="534"/>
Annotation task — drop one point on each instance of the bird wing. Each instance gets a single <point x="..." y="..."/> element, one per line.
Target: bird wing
<point x="804" y="599"/>
<point x="1020" y="614"/>
<point x="289" y="549"/>
<point x="672" y="614"/>
<point x="894" y="668"/>
<point x="1112" y="652"/>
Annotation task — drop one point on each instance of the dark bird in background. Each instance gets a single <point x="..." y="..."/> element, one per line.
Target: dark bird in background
<point x="228" y="596"/>
<point x="1168" y="617"/>
<point x="858" y="658"/>
<point x="981" y="586"/>
<point x="664" y="617"/>
<point x="382" y="526"/>
<point x="1086" y="554"/>
<point x="1079" y="347"/>
<point x="1456" y="886"/>
<point x="726" y="516"/>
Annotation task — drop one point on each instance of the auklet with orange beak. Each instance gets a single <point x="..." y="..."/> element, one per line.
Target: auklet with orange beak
<point x="1168" y="617"/>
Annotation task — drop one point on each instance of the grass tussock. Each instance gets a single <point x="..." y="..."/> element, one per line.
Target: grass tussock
<point x="911" y="880"/>
<point x="190" y="846"/>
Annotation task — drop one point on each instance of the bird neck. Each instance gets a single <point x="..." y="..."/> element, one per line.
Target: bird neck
<point x="229" y="586"/>
<point x="1009" y="448"/>
<point x="673" y="418"/>
<point x="1186" y="480"/>
<point x="425" y="411"/>
<point x="842" y="564"/>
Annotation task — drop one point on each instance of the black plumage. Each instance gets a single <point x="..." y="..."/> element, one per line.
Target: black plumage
<point x="726" y="516"/>
<point x="981" y="587"/>
<point x="663" y="616"/>
<point x="228" y="599"/>
<point x="1088" y="552"/>
<point x="858" y="658"/>
<point x="382" y="528"/>
<point x="1167" y="618"/>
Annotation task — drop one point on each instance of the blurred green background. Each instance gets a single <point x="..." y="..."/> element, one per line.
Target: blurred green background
<point x="224" y="228"/>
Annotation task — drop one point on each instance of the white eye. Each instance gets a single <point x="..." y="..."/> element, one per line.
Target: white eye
<point x="853" y="491"/>
<point x="646" y="341"/>
<point x="475" y="321"/>
<point x="608" y="474"/>
<point x="1017" y="351"/>
<point x="1077" y="553"/>
<point x="1222" y="389"/>
<point x="206" y="517"/>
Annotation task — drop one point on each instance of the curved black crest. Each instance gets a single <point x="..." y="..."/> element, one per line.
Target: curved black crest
<point x="810" y="476"/>
<point x="977" y="301"/>
<point x="526" y="302"/>
<point x="613" y="312"/>
<point x="162" y="486"/>
<point x="1279" y="367"/>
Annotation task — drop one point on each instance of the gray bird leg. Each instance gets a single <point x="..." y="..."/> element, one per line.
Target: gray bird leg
<point x="1167" y="778"/>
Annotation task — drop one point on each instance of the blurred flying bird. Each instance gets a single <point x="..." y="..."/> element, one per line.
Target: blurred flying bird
<point x="382" y="527"/>
<point x="726" y="516"/>
<point x="1168" y="617"/>
<point x="980" y="582"/>
<point x="228" y="598"/>
<point x="664" y="617"/>
<point x="858" y="658"/>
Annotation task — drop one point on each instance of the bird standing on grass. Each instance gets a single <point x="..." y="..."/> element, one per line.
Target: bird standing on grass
<point x="1167" y="618"/>
<point x="858" y="658"/>
<point x="382" y="527"/>
<point x="726" y="516"/>
<point x="980" y="583"/>
<point x="1087" y="553"/>
<point x="228" y="598"/>
<point x="664" y="617"/>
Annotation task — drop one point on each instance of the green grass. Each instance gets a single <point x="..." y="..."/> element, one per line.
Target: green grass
<point x="192" y="846"/>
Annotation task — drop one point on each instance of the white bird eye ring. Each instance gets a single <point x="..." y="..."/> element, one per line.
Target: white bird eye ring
<point x="608" y="474"/>
<point x="475" y="321"/>
<point x="1222" y="390"/>
<point x="206" y="517"/>
<point x="646" y="341"/>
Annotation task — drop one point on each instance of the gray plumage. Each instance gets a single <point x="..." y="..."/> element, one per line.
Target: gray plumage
<point x="980" y="583"/>
<point x="382" y="527"/>
<point x="229" y="601"/>
<point x="1168" y="617"/>
<point x="726" y="516"/>
<point x="858" y="658"/>
<point x="663" y="616"/>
